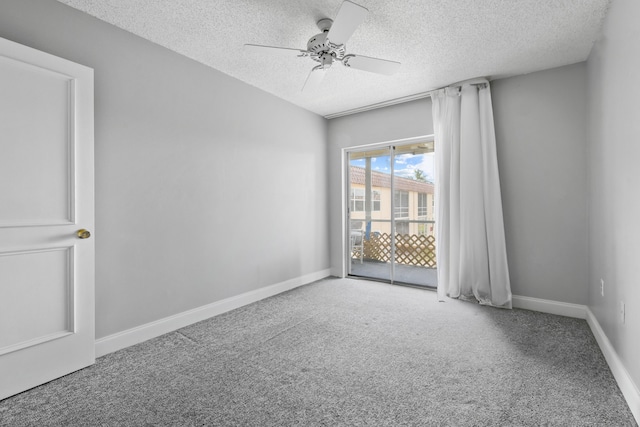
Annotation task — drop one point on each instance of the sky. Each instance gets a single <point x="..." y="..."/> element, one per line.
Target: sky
<point x="405" y="164"/>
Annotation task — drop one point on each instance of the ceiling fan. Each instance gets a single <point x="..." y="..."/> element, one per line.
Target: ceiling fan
<point x="329" y="46"/>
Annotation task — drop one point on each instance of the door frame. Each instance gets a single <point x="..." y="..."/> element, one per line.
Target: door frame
<point x="346" y="180"/>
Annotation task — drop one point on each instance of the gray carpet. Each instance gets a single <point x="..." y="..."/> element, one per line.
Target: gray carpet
<point x="344" y="352"/>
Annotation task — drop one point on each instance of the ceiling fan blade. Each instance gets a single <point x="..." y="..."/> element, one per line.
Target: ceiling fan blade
<point x="286" y="51"/>
<point x="374" y="65"/>
<point x="314" y="78"/>
<point x="349" y="17"/>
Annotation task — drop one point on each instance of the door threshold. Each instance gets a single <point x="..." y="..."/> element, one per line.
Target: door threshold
<point x="389" y="282"/>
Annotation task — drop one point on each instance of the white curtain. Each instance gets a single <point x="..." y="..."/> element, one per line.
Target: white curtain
<point x="471" y="251"/>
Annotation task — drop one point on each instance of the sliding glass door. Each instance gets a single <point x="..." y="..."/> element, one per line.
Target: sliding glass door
<point x="391" y="214"/>
<point x="370" y="208"/>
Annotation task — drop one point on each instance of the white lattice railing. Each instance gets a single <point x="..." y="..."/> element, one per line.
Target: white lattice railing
<point x="410" y="249"/>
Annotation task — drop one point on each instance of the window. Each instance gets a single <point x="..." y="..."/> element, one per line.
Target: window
<point x="375" y="200"/>
<point x="422" y="229"/>
<point x="401" y="204"/>
<point x="357" y="200"/>
<point x="402" y="227"/>
<point x="422" y="204"/>
<point x="433" y="206"/>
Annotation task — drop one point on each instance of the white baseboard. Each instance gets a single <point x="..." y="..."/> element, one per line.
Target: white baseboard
<point x="625" y="382"/>
<point x="154" y="329"/>
<point x="552" y="307"/>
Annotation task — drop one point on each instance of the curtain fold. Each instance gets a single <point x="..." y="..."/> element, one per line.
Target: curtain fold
<point x="471" y="252"/>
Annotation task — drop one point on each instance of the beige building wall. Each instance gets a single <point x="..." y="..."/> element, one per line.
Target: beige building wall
<point x="381" y="220"/>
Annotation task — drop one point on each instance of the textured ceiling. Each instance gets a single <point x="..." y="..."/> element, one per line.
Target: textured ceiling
<point x="438" y="42"/>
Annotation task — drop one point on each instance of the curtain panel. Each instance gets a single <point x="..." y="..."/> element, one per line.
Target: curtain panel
<point x="471" y="250"/>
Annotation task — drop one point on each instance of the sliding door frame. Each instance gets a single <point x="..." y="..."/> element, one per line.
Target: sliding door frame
<point x="346" y="201"/>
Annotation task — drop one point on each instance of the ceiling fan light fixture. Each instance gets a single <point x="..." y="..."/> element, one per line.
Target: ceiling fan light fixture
<point x="326" y="59"/>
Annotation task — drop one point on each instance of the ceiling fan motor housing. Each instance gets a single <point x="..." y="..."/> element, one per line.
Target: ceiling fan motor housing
<point x="321" y="47"/>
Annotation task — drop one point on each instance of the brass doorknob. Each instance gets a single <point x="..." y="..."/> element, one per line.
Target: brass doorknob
<point x="83" y="234"/>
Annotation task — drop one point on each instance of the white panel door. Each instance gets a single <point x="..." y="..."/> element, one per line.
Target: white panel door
<point x="46" y="197"/>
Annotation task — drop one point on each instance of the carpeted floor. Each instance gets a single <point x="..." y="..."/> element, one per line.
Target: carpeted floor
<point x="344" y="352"/>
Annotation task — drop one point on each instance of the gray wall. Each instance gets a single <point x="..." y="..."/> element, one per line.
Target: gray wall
<point x="614" y="136"/>
<point x="400" y="121"/>
<point x="540" y="123"/>
<point x="205" y="187"/>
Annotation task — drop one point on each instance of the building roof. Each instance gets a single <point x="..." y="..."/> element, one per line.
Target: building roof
<point x="379" y="179"/>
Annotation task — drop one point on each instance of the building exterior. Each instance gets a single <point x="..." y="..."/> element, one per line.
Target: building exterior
<point x="413" y="200"/>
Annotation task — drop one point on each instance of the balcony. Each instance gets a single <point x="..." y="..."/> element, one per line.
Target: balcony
<point x="414" y="255"/>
